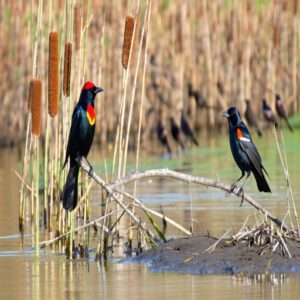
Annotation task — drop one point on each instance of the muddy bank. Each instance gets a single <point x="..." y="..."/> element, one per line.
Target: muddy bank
<point x="187" y="255"/>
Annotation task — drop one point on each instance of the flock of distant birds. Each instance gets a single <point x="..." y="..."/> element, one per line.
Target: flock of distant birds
<point x="184" y="128"/>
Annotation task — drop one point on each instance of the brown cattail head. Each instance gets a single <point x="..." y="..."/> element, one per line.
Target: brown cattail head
<point x="67" y="68"/>
<point x="36" y="106"/>
<point x="128" y="31"/>
<point x="77" y="27"/>
<point x="53" y="74"/>
<point x="295" y="7"/>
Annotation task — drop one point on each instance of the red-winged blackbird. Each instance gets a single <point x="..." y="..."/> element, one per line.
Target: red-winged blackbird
<point x="186" y="129"/>
<point x="251" y="117"/>
<point x="244" y="151"/>
<point x="281" y="111"/>
<point x="176" y="134"/>
<point x="80" y="141"/>
<point x="268" y="114"/>
<point x="163" y="136"/>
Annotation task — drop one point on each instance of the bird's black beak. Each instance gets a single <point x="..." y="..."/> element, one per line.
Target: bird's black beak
<point x="98" y="90"/>
<point x="225" y="114"/>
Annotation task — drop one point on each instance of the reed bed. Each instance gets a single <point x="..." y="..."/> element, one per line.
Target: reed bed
<point x="225" y="52"/>
<point x="229" y="51"/>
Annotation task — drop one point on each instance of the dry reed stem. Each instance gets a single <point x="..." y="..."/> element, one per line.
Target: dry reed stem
<point x="36" y="107"/>
<point x="30" y="94"/>
<point x="135" y="40"/>
<point x="53" y="74"/>
<point x="128" y="32"/>
<point x="77" y="25"/>
<point x="67" y="68"/>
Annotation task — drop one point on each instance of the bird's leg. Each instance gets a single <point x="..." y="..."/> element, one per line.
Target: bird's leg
<point x="233" y="186"/>
<point x="241" y="190"/>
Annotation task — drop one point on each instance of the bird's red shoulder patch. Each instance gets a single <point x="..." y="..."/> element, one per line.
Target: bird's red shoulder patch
<point x="241" y="136"/>
<point x="88" y="85"/>
<point x="91" y="115"/>
<point x="239" y="133"/>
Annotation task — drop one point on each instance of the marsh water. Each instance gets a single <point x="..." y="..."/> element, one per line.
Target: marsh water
<point x="52" y="276"/>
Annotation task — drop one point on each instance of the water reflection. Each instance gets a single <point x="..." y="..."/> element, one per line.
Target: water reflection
<point x="55" y="278"/>
<point x="23" y="276"/>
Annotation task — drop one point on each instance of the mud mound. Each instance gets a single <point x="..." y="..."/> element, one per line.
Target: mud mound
<point x="190" y="255"/>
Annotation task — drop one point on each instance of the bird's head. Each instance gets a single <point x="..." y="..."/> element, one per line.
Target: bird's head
<point x="233" y="116"/>
<point x="89" y="92"/>
<point x="277" y="97"/>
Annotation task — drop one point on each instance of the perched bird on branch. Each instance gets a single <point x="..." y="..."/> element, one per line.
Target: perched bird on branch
<point x="244" y="151"/>
<point x="281" y="111"/>
<point x="80" y="141"/>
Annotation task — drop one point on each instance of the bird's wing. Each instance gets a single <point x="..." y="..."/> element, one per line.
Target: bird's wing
<point x="76" y="119"/>
<point x="249" y="148"/>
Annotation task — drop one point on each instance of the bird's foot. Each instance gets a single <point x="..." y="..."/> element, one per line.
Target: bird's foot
<point x="233" y="186"/>
<point x="240" y="193"/>
<point x="91" y="172"/>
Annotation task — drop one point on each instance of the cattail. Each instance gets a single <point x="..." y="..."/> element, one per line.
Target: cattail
<point x="295" y="7"/>
<point x="53" y="74"/>
<point x="36" y="99"/>
<point x="129" y="25"/>
<point x="77" y="30"/>
<point x="67" y="68"/>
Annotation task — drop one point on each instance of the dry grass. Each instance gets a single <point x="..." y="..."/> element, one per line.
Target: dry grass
<point x="228" y="50"/>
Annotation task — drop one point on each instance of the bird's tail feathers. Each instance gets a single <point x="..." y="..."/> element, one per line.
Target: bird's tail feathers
<point x="288" y="124"/>
<point x="168" y="147"/>
<point x="195" y="141"/>
<point x="261" y="181"/>
<point x="70" y="191"/>
<point x="259" y="132"/>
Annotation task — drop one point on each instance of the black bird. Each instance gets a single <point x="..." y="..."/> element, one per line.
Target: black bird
<point x="163" y="136"/>
<point x="80" y="141"/>
<point x="186" y="129"/>
<point x="244" y="151"/>
<point x="281" y="111"/>
<point x="197" y="95"/>
<point x="268" y="114"/>
<point x="176" y="134"/>
<point x="251" y="117"/>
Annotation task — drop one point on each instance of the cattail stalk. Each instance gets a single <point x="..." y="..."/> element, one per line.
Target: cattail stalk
<point x="77" y="26"/>
<point x="53" y="64"/>
<point x="67" y="68"/>
<point x="30" y="94"/>
<point x="135" y="40"/>
<point x="128" y="32"/>
<point x="36" y="107"/>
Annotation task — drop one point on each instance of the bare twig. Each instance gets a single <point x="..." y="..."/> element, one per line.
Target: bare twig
<point x="197" y="180"/>
<point x="96" y="221"/>
<point x="111" y="193"/>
